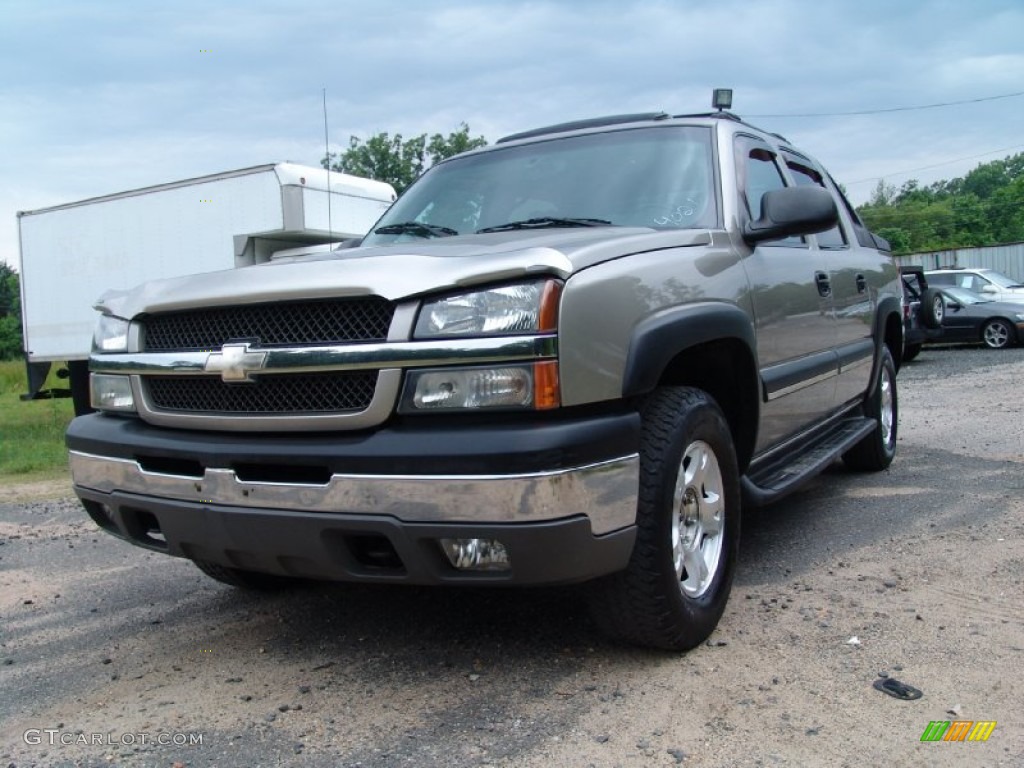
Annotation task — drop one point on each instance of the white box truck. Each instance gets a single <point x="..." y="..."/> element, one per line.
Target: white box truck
<point x="73" y="253"/>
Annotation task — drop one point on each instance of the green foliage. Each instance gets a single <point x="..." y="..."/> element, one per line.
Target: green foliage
<point x="985" y="207"/>
<point x="400" y="161"/>
<point x="898" y="238"/>
<point x="10" y="314"/>
<point x="33" y="431"/>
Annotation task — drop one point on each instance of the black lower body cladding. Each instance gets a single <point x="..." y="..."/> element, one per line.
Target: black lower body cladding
<point x="519" y="446"/>
<point x="559" y="494"/>
<point x="345" y="547"/>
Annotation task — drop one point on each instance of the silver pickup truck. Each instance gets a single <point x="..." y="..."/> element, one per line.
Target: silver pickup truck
<point x="572" y="356"/>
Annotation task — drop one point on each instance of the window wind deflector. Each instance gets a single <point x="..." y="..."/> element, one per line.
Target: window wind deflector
<point x="544" y="222"/>
<point x="415" y="228"/>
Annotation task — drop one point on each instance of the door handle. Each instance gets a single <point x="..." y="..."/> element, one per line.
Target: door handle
<point x="824" y="284"/>
<point x="862" y="284"/>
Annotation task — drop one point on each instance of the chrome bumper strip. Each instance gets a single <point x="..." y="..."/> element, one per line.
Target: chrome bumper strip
<point x="604" y="492"/>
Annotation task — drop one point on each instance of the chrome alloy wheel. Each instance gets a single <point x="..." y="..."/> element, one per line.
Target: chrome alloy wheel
<point x="996" y="334"/>
<point x="698" y="519"/>
<point x="887" y="414"/>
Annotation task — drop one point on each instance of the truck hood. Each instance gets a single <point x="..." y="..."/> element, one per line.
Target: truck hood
<point x="401" y="271"/>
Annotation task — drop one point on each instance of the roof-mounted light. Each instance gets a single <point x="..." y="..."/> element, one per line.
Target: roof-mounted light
<point x="722" y="99"/>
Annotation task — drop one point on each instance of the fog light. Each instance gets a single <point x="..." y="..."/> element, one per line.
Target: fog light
<point x="476" y="554"/>
<point x="111" y="393"/>
<point x="533" y="386"/>
<point x="457" y="388"/>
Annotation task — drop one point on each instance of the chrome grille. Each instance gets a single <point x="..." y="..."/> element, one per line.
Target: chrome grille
<point x="297" y="394"/>
<point x="281" y="324"/>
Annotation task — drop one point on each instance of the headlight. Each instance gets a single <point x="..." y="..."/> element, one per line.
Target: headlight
<point x="111" y="334"/>
<point x="522" y="308"/>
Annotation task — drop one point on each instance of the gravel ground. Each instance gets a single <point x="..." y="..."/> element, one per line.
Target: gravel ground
<point x="913" y="573"/>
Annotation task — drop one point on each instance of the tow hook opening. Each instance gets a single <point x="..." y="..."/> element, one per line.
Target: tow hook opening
<point x="102" y="515"/>
<point x="145" y="528"/>
<point x="375" y="553"/>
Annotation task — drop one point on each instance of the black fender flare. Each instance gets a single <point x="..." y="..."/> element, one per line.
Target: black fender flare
<point x="891" y="305"/>
<point x="659" y="338"/>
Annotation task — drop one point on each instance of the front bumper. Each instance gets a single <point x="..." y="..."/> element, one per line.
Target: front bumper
<point x="347" y="507"/>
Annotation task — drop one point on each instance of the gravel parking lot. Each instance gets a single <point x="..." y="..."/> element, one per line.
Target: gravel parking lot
<point x="914" y="573"/>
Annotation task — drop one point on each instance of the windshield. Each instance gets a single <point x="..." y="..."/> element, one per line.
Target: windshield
<point x="964" y="296"/>
<point x="1001" y="280"/>
<point x="648" y="177"/>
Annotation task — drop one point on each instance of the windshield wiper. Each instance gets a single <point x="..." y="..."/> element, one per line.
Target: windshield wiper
<point x="415" y="228"/>
<point x="545" y="222"/>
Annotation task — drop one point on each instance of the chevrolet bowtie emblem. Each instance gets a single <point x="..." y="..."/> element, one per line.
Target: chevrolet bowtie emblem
<point x="235" y="362"/>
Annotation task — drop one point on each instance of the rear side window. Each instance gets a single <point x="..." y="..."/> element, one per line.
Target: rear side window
<point x="942" y="279"/>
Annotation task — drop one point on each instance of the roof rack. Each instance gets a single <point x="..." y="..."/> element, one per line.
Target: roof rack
<point x="576" y="125"/>
<point x="721" y="113"/>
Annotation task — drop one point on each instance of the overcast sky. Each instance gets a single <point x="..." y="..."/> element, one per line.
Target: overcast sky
<point x="100" y="97"/>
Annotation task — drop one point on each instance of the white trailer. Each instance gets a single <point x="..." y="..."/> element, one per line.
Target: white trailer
<point x="72" y="253"/>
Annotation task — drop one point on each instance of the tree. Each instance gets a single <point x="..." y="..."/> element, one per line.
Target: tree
<point x="10" y="314"/>
<point x="441" y="148"/>
<point x="899" y="238"/>
<point x="400" y="161"/>
<point x="984" y="207"/>
<point x="883" y="194"/>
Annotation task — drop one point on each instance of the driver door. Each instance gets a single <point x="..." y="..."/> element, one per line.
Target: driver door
<point x="792" y="301"/>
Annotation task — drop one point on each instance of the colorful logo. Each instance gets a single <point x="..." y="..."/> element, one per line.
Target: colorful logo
<point x="958" y="730"/>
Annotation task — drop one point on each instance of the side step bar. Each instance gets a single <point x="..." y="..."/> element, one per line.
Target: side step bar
<point x="768" y="482"/>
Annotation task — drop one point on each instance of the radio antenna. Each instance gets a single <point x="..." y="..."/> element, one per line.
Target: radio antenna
<point x="327" y="155"/>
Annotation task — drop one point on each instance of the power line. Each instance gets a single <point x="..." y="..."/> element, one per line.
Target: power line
<point x="896" y="109"/>
<point x="934" y="165"/>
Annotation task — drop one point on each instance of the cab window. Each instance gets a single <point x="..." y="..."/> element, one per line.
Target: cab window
<point x="760" y="174"/>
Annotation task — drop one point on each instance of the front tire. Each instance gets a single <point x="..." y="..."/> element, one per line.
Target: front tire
<point x="997" y="334"/>
<point x="674" y="590"/>
<point x="876" y="451"/>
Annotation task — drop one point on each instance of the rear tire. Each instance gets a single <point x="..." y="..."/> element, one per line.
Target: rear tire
<point x="674" y="590"/>
<point x="876" y="451"/>
<point x="236" y="577"/>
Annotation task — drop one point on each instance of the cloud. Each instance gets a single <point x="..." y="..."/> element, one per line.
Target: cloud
<point x="105" y="97"/>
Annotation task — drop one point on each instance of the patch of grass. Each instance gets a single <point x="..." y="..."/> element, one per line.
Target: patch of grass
<point x="31" y="432"/>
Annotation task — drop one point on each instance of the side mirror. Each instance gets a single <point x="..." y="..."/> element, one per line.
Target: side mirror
<point x="792" y="211"/>
<point x="989" y="289"/>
